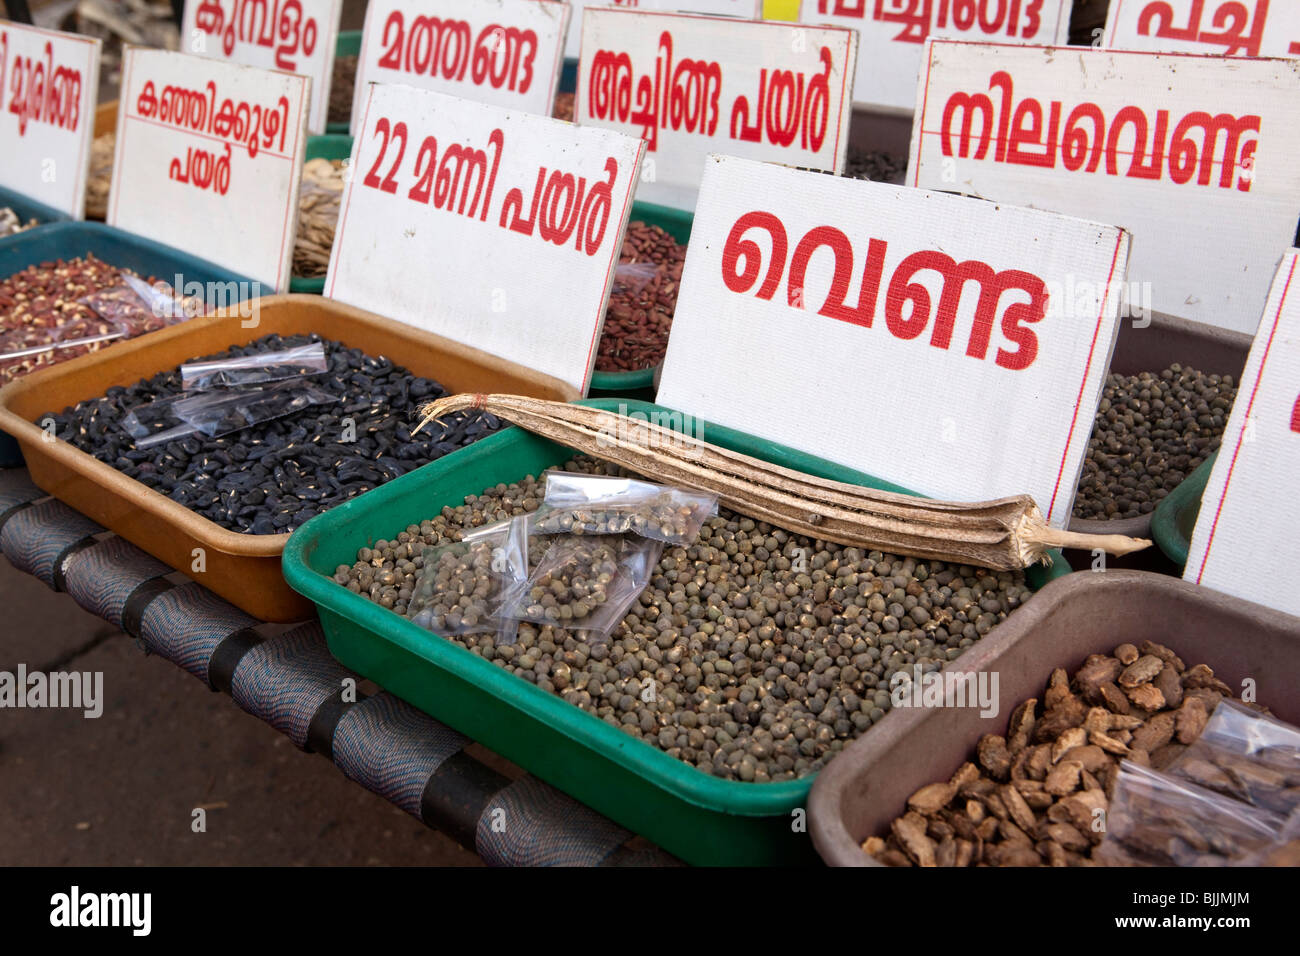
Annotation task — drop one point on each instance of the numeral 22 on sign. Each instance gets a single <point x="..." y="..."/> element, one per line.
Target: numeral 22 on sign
<point x="209" y="159"/>
<point x="692" y="85"/>
<point x="496" y="228"/>
<point x="1230" y="27"/>
<point x="48" y="85"/>
<point x="1248" y="510"/>
<point x="503" y="52"/>
<point x="1195" y="155"/>
<point x="952" y="346"/>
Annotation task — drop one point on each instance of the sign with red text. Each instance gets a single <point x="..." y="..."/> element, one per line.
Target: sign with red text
<point x="1248" y="513"/>
<point x="744" y="9"/>
<point x="209" y="158"/>
<point x="1195" y="155"/>
<point x="894" y="33"/>
<point x="48" y="85"/>
<point x="297" y="36"/>
<point x="496" y="228"/>
<point x="1231" y="27"/>
<point x="954" y="347"/>
<point x="503" y="52"/>
<point x="690" y="86"/>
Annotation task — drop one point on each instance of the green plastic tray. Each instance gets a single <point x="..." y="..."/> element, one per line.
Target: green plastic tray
<point x="67" y="240"/>
<point x="348" y="44"/>
<point x="329" y="146"/>
<point x="701" y="819"/>
<point x="641" y="384"/>
<point x="1174" y="519"/>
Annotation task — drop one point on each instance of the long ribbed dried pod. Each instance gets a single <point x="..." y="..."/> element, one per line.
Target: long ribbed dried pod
<point x="1006" y="534"/>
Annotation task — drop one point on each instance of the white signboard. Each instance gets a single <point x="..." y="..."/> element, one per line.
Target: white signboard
<point x="954" y="347"/>
<point x="503" y="52"/>
<point x="1248" y="511"/>
<point x="1232" y="27"/>
<point x="745" y="9"/>
<point x="48" y="85"/>
<point x="209" y="158"/>
<point x="297" y="36"/>
<point x="690" y="86"/>
<point x="1195" y="155"/>
<point x="497" y="228"/>
<point x="894" y="34"/>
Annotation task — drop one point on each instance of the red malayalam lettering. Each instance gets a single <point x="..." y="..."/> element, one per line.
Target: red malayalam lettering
<point x="203" y="169"/>
<point x="500" y="57"/>
<point x="1232" y="23"/>
<point x="274" y="24"/>
<point x="919" y="18"/>
<point x="38" y="90"/>
<point x="786" y="108"/>
<point x="255" y="127"/>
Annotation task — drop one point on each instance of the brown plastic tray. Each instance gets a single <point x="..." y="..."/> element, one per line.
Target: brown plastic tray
<point x="866" y="787"/>
<point x="242" y="568"/>
<point x="1151" y="349"/>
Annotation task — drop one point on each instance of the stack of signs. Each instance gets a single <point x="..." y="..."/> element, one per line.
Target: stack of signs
<point x="503" y="52"/>
<point x="1247" y="538"/>
<point x="744" y="9"/>
<point x="692" y="85"/>
<point x="48" y="85"/>
<point x="922" y="338"/>
<point x="209" y="159"/>
<point x="894" y="33"/>
<point x="1231" y="27"/>
<point x="1195" y="155"/>
<point x="495" y="228"/>
<point x="297" y="37"/>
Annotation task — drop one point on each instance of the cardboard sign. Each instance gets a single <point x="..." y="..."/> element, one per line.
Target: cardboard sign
<point x="693" y="85"/>
<point x="1194" y="155"/>
<point x="745" y="9"/>
<point x="209" y="158"/>
<point x="48" y="85"/>
<point x="496" y="228"/>
<point x="297" y="36"/>
<point x="503" y="52"/>
<point x="1232" y="27"/>
<point x="1248" y="511"/>
<point x="951" y="346"/>
<point x="894" y="33"/>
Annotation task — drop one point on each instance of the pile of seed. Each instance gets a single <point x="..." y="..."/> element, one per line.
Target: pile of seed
<point x="342" y="85"/>
<point x="11" y="224"/>
<point x="754" y="654"/>
<point x="1031" y="797"/>
<point x="640" y="314"/>
<point x="318" y="214"/>
<point x="876" y="166"/>
<point x="563" y="108"/>
<point x="100" y="178"/>
<point x="272" y="477"/>
<point x="39" y="307"/>
<point x="1151" y="431"/>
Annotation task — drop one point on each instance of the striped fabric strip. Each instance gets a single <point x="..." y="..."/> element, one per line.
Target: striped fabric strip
<point x="392" y="749"/>
<point x="103" y="576"/>
<point x="532" y="824"/>
<point x="186" y="624"/>
<point x="284" y="680"/>
<point x="34" y="538"/>
<point x="16" y="490"/>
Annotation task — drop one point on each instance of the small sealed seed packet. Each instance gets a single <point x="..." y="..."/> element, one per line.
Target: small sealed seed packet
<point x="223" y="411"/>
<point x="596" y="504"/>
<point x="1247" y="755"/>
<point x="256" y="369"/>
<point x="156" y="422"/>
<point x="461" y="586"/>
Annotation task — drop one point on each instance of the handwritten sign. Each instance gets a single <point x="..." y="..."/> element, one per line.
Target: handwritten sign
<point x="48" y="84"/>
<point x="503" y="52"/>
<point x="745" y="9"/>
<point x="1194" y="155"/>
<point x="496" y="228"/>
<point x="692" y="85"/>
<point x="297" y="36"/>
<point x="209" y="158"/>
<point x="1248" y="511"/>
<point x="894" y="33"/>
<point x="952" y="346"/>
<point x="1232" y="27"/>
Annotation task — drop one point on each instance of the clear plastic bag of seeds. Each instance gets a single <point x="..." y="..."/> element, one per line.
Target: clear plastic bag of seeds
<point x="155" y="423"/>
<point x="223" y="411"/>
<point x="585" y="583"/>
<point x="136" y="307"/>
<point x="259" y="369"/>
<point x="1247" y="755"/>
<point x="461" y="587"/>
<point x="631" y="278"/>
<point x="598" y="504"/>
<point x="1159" y="819"/>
